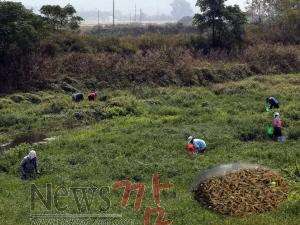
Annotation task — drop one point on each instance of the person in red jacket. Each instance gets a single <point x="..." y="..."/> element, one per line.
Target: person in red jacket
<point x="92" y="96"/>
<point x="191" y="148"/>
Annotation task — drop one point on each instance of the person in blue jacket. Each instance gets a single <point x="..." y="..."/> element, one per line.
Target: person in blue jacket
<point x="274" y="103"/>
<point x="77" y="97"/>
<point x="199" y="144"/>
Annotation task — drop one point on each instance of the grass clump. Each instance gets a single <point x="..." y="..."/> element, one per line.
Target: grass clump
<point x="34" y="99"/>
<point x="17" y="98"/>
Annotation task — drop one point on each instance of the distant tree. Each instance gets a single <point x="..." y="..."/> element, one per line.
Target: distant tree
<point x="187" y="20"/>
<point x="74" y="22"/>
<point x="289" y="12"/>
<point x="20" y="33"/>
<point x="61" y="17"/>
<point x="224" y="23"/>
<point x="234" y="30"/>
<point x="181" y="8"/>
<point x="279" y="19"/>
<point x="261" y="10"/>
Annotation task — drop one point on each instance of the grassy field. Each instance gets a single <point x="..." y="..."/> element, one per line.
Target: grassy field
<point x="135" y="133"/>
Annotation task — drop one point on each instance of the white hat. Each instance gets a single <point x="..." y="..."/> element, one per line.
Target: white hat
<point x="32" y="154"/>
<point x="190" y="138"/>
<point x="276" y="114"/>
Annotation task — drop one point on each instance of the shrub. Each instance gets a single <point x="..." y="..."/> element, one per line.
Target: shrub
<point x="49" y="48"/>
<point x="293" y="114"/>
<point x="11" y="159"/>
<point x="248" y="131"/>
<point x="56" y="107"/>
<point x="267" y="58"/>
<point x="7" y="120"/>
<point x="5" y="103"/>
<point x="46" y="165"/>
<point x="115" y="112"/>
<point x="144" y="92"/>
<point x="22" y="31"/>
<point x="73" y="43"/>
<point x="34" y="99"/>
<point x="136" y="30"/>
<point x="68" y="88"/>
<point x="81" y="115"/>
<point x="162" y="60"/>
<point x="149" y="41"/>
<point x="18" y="98"/>
<point x="109" y="44"/>
<point x="168" y="111"/>
<point x="294" y="133"/>
<point x="127" y="47"/>
<point x="103" y="98"/>
<point x="71" y="81"/>
<point x="199" y="43"/>
<point x="129" y="107"/>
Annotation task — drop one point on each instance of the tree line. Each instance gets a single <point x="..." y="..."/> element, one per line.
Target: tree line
<point x="21" y="32"/>
<point x="24" y="34"/>
<point x="274" y="20"/>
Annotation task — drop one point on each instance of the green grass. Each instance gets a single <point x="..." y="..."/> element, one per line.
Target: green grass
<point x="135" y="133"/>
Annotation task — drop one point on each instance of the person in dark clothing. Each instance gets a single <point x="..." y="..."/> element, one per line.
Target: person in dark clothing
<point x="77" y="97"/>
<point x="92" y="96"/>
<point x="274" y="103"/>
<point x="29" y="167"/>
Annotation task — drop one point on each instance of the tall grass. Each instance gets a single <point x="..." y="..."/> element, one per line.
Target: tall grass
<point x="158" y="60"/>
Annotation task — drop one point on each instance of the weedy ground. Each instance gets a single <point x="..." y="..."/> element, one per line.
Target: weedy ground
<point x="135" y="133"/>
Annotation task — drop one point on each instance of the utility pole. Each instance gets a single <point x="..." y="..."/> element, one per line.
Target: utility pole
<point x="113" y="12"/>
<point x="130" y="18"/>
<point x="141" y="13"/>
<point x="135" y="13"/>
<point x="98" y="17"/>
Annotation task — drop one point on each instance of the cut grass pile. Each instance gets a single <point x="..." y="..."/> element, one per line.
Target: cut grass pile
<point x="244" y="192"/>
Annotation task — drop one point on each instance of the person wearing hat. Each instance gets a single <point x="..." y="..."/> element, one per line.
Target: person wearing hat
<point x="277" y="126"/>
<point x="28" y="166"/>
<point x="196" y="145"/>
<point x="274" y="103"/>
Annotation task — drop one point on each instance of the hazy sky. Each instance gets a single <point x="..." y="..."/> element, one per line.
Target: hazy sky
<point x="148" y="6"/>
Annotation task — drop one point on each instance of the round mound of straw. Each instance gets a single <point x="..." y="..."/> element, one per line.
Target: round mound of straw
<point x="243" y="192"/>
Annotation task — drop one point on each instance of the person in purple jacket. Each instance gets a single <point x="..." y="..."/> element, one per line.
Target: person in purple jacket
<point x="277" y="126"/>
